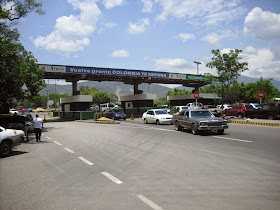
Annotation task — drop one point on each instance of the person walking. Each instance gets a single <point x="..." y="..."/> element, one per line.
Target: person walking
<point x="38" y="124"/>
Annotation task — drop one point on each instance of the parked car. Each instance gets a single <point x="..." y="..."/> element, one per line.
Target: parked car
<point x="268" y="110"/>
<point x="29" y="110"/>
<point x="194" y="104"/>
<point x="255" y="105"/>
<point x="237" y="110"/>
<point x="8" y="139"/>
<point x="157" y="116"/>
<point x="180" y="108"/>
<point x="22" y="110"/>
<point x="19" y="122"/>
<point x="224" y="106"/>
<point x="13" y="111"/>
<point x="39" y="109"/>
<point x="115" y="114"/>
<point x="199" y="120"/>
<point x="217" y="112"/>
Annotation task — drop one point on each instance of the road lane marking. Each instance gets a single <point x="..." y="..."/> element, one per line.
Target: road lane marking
<point x="220" y="137"/>
<point x="146" y="127"/>
<point x="49" y="138"/>
<point x="69" y="150"/>
<point x="57" y="143"/>
<point x="111" y="177"/>
<point x="86" y="161"/>
<point x="149" y="202"/>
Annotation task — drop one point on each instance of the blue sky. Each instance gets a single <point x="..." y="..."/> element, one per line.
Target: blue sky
<point x="156" y="35"/>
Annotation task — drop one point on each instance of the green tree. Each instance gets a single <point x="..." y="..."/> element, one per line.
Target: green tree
<point x="18" y="67"/>
<point x="161" y="101"/>
<point x="229" y="68"/>
<point x="100" y="97"/>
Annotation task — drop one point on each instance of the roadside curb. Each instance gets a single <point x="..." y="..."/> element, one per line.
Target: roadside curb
<point x="254" y="123"/>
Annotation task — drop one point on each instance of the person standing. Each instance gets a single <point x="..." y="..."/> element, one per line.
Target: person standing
<point x="38" y="124"/>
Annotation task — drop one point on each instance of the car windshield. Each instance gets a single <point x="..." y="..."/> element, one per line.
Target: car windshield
<point x="199" y="114"/>
<point x="160" y="112"/>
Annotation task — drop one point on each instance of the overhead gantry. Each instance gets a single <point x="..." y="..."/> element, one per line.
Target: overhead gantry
<point x="127" y="76"/>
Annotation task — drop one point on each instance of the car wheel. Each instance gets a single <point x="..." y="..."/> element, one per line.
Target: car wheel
<point x="178" y="126"/>
<point x="194" y="130"/>
<point x="158" y="122"/>
<point x="239" y="116"/>
<point x="5" y="148"/>
<point x="145" y="121"/>
<point x="220" y="132"/>
<point x="270" y="117"/>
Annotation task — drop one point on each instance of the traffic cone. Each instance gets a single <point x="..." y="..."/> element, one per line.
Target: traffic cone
<point x="131" y="118"/>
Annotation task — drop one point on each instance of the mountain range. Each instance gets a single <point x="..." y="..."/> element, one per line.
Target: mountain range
<point x="119" y="88"/>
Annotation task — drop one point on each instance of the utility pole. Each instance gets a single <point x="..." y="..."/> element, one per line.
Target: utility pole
<point x="197" y="63"/>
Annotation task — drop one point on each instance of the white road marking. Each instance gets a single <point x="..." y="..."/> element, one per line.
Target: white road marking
<point x="111" y="177"/>
<point x="57" y="143"/>
<point x="220" y="137"/>
<point x="86" y="161"/>
<point x="146" y="127"/>
<point x="49" y="138"/>
<point x="69" y="150"/>
<point x="149" y="202"/>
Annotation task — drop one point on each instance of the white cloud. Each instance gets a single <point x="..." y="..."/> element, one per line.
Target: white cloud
<point x="215" y="38"/>
<point x="177" y="65"/>
<point x="139" y="27"/>
<point x="185" y="37"/>
<point x="72" y="32"/>
<point x="261" y="63"/>
<point x="109" y="4"/>
<point x="148" y="6"/>
<point x="202" y="12"/>
<point x="105" y="26"/>
<point x="180" y="65"/>
<point x="262" y="24"/>
<point x="120" y="54"/>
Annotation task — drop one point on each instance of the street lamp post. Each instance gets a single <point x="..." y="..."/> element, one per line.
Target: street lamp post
<point x="197" y="63"/>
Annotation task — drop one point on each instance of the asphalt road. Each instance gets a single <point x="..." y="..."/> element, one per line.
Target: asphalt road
<point x="137" y="166"/>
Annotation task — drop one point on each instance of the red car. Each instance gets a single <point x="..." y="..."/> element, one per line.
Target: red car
<point x="23" y="110"/>
<point x="237" y="110"/>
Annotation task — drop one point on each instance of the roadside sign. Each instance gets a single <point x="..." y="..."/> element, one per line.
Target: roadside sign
<point x="261" y="94"/>
<point x="196" y="95"/>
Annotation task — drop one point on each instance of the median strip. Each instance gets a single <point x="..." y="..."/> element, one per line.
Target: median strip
<point x="254" y="123"/>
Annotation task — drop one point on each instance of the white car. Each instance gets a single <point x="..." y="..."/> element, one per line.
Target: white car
<point x="157" y="116"/>
<point x="9" y="138"/>
<point x="180" y="108"/>
<point x="13" y="111"/>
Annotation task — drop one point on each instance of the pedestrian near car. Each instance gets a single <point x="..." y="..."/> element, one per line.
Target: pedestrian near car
<point x="38" y="124"/>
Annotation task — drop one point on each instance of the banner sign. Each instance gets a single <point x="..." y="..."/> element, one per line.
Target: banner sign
<point x="117" y="72"/>
<point x="123" y="72"/>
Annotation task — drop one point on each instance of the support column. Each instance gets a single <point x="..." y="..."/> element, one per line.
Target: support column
<point x="74" y="87"/>
<point x="136" y="90"/>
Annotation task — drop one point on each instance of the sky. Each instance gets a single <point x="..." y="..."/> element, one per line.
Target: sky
<point x="156" y="35"/>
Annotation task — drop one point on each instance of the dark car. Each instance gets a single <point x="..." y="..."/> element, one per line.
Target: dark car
<point x="115" y="114"/>
<point x="198" y="120"/>
<point x="238" y="110"/>
<point x="268" y="110"/>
